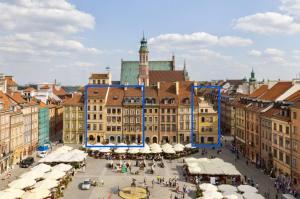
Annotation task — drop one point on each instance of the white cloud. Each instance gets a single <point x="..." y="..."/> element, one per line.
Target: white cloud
<point x="35" y="16"/>
<point x="195" y="40"/>
<point x="268" y="23"/>
<point x="291" y="7"/>
<point x="256" y="53"/>
<point x="274" y="52"/>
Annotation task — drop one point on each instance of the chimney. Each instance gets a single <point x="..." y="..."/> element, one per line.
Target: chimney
<point x="177" y="88"/>
<point x="173" y="62"/>
<point x="195" y="88"/>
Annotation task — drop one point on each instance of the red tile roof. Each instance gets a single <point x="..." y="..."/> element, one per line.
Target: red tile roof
<point x="5" y="101"/>
<point x="260" y="91"/>
<point x="98" y="93"/>
<point x="133" y="92"/>
<point x="165" y="76"/>
<point x="60" y="91"/>
<point x="294" y="97"/>
<point x="277" y="90"/>
<point x="17" y="97"/>
<point x="269" y="113"/>
<point x="29" y="89"/>
<point x="76" y="100"/>
<point x="115" y="96"/>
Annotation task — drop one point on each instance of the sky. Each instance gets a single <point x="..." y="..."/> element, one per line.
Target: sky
<point x="44" y="40"/>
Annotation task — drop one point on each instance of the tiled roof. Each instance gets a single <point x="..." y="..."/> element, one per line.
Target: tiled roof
<point x="294" y="97"/>
<point x="115" y="97"/>
<point x="167" y="90"/>
<point x="45" y="87"/>
<point x="235" y="82"/>
<point x="269" y="113"/>
<point x="99" y="76"/>
<point x="99" y="93"/>
<point x="29" y="89"/>
<point x="279" y="116"/>
<point x="9" y="81"/>
<point x="133" y="92"/>
<point x="5" y="101"/>
<point x="59" y="91"/>
<point x="260" y="91"/>
<point x="76" y="100"/>
<point x="165" y="76"/>
<point x="17" y="97"/>
<point x="277" y="90"/>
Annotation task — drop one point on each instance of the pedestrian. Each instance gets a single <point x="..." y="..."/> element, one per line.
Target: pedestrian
<point x="145" y="181"/>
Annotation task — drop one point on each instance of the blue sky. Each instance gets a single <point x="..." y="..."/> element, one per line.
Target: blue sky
<point x="220" y="39"/>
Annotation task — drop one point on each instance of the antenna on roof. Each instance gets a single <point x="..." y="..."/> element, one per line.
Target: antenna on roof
<point x="107" y="68"/>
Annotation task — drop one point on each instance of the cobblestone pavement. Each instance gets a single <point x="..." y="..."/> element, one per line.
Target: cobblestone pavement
<point x="96" y="168"/>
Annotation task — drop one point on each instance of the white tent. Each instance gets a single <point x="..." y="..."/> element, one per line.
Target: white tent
<point x="178" y="148"/>
<point x="36" y="194"/>
<point x="33" y="174"/>
<point x="55" y="175"/>
<point x="227" y="188"/>
<point x="11" y="193"/>
<point x="169" y="150"/>
<point x="133" y="150"/>
<point x="189" y="146"/>
<point x="62" y="167"/>
<point x="22" y="183"/>
<point x="251" y="195"/>
<point x="179" y="145"/>
<point x="166" y="146"/>
<point x="42" y="168"/>
<point x="208" y="187"/>
<point x="247" y="189"/>
<point x="105" y="150"/>
<point x="145" y="150"/>
<point x="212" y="194"/>
<point x="156" y="150"/>
<point x="120" y="150"/>
<point x="46" y="184"/>
<point x="154" y="145"/>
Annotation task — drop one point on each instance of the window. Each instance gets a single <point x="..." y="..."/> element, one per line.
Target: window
<point x="275" y="126"/>
<point x="94" y="127"/>
<point x="294" y="115"/>
<point x="280" y="156"/>
<point x="108" y="110"/>
<point x="287" y="159"/>
<point x="95" y="117"/>
<point x="155" y="110"/>
<point x="280" y="128"/>
<point x="100" y="116"/>
<point x="95" y="108"/>
<point x="275" y="153"/>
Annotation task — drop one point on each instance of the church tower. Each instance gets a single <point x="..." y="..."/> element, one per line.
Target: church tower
<point x="143" y="77"/>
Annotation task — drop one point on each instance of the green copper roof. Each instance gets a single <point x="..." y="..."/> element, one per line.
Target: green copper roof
<point x="130" y="69"/>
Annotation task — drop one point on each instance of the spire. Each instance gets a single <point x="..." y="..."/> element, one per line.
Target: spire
<point x="184" y="65"/>
<point x="143" y="47"/>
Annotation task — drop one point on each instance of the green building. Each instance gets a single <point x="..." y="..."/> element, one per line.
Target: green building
<point x="43" y="125"/>
<point x="149" y="72"/>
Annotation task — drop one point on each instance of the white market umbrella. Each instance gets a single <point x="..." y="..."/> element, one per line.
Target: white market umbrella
<point x="46" y="184"/>
<point x="194" y="170"/>
<point x="232" y="195"/>
<point x="208" y="187"/>
<point x="212" y="195"/>
<point x="252" y="195"/>
<point x="145" y="150"/>
<point x="178" y="148"/>
<point x="22" y="183"/>
<point x="11" y="193"/>
<point x="247" y="189"/>
<point x="227" y="188"/>
<point x="33" y="175"/>
<point x="169" y="150"/>
<point x="166" y="146"/>
<point x="42" y="168"/>
<point x="62" y="167"/>
<point x="36" y="194"/>
<point x="105" y="150"/>
<point x="189" y="146"/>
<point x="54" y="175"/>
<point x="120" y="150"/>
<point x="179" y="145"/>
<point x="156" y="150"/>
<point x="133" y="151"/>
<point x="154" y="145"/>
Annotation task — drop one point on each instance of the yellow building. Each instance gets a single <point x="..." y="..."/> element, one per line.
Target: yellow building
<point x="16" y="139"/>
<point x="96" y="115"/>
<point x="208" y="123"/>
<point x="281" y="143"/>
<point x="100" y="78"/>
<point x="73" y="120"/>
